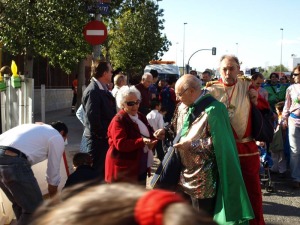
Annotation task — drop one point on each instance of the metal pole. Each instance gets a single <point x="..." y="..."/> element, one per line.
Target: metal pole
<point x="97" y="48"/>
<point x="281" y="50"/>
<point x="188" y="67"/>
<point x="183" y="67"/>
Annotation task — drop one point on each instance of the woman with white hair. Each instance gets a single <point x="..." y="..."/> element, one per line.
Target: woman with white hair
<point x="130" y="140"/>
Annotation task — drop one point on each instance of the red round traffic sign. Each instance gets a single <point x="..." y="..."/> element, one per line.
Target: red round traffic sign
<point x="95" y="32"/>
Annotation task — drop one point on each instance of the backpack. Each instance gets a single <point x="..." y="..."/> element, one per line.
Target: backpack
<point x="262" y="124"/>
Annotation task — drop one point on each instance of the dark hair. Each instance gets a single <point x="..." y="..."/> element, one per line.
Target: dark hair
<point x="111" y="204"/>
<point x="98" y="68"/>
<point x="154" y="103"/>
<point x="295" y="68"/>
<point x="5" y="70"/>
<point x="154" y="73"/>
<point x="60" y="126"/>
<point x="274" y="74"/>
<point x="163" y="109"/>
<point x="82" y="158"/>
<point x="279" y="106"/>
<point x="257" y="75"/>
<point x="171" y="80"/>
<point x="207" y="72"/>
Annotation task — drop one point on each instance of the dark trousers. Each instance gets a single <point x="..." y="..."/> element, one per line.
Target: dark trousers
<point x="97" y="148"/>
<point x="206" y="204"/>
<point x="74" y="100"/>
<point x="160" y="151"/>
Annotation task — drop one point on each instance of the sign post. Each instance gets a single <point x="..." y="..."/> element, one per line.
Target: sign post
<point x="95" y="32"/>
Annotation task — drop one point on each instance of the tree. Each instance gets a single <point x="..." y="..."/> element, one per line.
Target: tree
<point x="272" y="69"/>
<point x="135" y="36"/>
<point x="48" y="28"/>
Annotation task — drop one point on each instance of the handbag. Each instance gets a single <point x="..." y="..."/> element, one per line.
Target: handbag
<point x="262" y="124"/>
<point x="168" y="172"/>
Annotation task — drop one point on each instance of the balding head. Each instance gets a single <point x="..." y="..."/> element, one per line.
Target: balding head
<point x="188" y="89"/>
<point x="147" y="79"/>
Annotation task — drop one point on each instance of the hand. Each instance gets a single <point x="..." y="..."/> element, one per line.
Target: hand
<point x="152" y="144"/>
<point x="160" y="134"/>
<point x="149" y="172"/>
<point x="52" y="190"/>
<point x="253" y="94"/>
<point x="183" y="145"/>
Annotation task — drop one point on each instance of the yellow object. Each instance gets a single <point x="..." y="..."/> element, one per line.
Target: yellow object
<point x="14" y="68"/>
<point x="2" y="83"/>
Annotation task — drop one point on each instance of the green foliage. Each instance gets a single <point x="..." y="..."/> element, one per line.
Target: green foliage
<point x="53" y="29"/>
<point x="49" y="28"/>
<point x="272" y="69"/>
<point x="135" y="36"/>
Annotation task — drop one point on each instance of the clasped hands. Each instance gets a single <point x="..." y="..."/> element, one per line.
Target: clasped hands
<point x="149" y="142"/>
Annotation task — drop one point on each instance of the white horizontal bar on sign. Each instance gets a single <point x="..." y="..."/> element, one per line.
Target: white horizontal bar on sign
<point x="95" y="32"/>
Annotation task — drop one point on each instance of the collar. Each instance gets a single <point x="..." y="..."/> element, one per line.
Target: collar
<point x="100" y="84"/>
<point x="228" y="85"/>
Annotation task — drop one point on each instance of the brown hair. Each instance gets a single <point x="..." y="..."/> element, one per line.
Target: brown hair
<point x="257" y="75"/>
<point x="109" y="204"/>
<point x="230" y="57"/>
<point x="98" y="68"/>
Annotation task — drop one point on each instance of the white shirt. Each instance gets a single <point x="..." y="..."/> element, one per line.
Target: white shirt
<point x="38" y="142"/>
<point x="155" y="119"/>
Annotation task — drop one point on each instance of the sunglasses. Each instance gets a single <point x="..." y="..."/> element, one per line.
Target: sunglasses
<point x="295" y="74"/>
<point x="132" y="103"/>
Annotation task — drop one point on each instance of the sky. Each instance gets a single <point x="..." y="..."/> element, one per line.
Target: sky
<point x="249" y="29"/>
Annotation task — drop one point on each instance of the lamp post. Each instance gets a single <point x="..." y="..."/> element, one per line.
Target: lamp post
<point x="281" y="50"/>
<point x="183" y="67"/>
<point x="237" y="49"/>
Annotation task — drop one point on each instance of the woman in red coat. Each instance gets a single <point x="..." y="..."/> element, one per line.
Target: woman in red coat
<point x="130" y="140"/>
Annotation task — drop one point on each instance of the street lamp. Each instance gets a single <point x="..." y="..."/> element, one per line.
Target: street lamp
<point x="183" y="67"/>
<point x="281" y="50"/>
<point x="237" y="49"/>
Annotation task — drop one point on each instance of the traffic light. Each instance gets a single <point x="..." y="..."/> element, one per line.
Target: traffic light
<point x="214" y="51"/>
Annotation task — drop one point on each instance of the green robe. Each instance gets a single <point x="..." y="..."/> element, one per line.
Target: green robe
<point x="232" y="204"/>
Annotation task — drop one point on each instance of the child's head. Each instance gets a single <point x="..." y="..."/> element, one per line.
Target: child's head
<point x="81" y="158"/>
<point x="163" y="110"/>
<point x="279" y="107"/>
<point x="155" y="104"/>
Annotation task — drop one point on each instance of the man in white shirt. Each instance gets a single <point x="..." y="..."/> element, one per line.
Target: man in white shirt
<point x="20" y="148"/>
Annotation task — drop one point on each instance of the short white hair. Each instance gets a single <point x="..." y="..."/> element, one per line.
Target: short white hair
<point x="123" y="92"/>
<point x="146" y="75"/>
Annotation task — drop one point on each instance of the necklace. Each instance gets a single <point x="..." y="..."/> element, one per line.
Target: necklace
<point x="229" y="106"/>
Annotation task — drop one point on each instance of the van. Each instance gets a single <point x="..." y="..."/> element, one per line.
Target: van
<point x="165" y="69"/>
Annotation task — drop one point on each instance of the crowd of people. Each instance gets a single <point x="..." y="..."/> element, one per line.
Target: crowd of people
<point x="125" y="125"/>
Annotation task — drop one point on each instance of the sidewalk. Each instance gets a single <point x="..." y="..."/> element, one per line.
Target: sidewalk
<point x="75" y="130"/>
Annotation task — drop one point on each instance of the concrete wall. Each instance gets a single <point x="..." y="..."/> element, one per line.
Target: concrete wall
<point x="55" y="99"/>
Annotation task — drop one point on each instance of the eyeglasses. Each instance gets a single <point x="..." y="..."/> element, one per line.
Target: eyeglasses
<point x="180" y="94"/>
<point x="295" y="74"/>
<point x="132" y="103"/>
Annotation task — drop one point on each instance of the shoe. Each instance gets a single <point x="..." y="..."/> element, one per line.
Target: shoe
<point x="296" y="184"/>
<point x="282" y="175"/>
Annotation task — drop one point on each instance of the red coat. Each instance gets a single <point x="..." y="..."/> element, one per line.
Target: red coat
<point x="125" y="158"/>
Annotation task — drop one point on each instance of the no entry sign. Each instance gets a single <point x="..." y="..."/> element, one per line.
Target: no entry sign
<point x="95" y="32"/>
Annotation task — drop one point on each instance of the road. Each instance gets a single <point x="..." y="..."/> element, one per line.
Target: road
<point x="281" y="207"/>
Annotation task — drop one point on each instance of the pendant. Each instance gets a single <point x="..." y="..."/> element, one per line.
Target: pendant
<point x="231" y="111"/>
